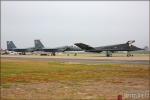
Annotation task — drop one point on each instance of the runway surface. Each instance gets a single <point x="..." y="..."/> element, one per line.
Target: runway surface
<point x="83" y="60"/>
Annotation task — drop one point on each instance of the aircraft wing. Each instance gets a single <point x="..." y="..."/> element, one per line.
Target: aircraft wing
<point x="84" y="46"/>
<point x="23" y="49"/>
<point x="119" y="47"/>
<point x="73" y="48"/>
<point x="49" y="50"/>
<point x="62" y="49"/>
<point x="54" y="49"/>
<point x="19" y="50"/>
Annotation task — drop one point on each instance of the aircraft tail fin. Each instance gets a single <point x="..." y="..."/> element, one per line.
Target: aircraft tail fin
<point x="10" y="45"/>
<point x="84" y="46"/>
<point x="130" y="42"/>
<point x="38" y="44"/>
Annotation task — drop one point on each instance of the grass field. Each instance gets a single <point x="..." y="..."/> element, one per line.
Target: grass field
<point x="33" y="80"/>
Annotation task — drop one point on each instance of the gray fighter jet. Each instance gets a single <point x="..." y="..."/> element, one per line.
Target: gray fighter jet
<point x="40" y="47"/>
<point x="11" y="47"/>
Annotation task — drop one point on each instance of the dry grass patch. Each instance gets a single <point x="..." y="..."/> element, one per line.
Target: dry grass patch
<point x="61" y="81"/>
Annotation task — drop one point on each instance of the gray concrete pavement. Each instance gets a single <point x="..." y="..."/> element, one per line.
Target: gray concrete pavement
<point x="78" y="60"/>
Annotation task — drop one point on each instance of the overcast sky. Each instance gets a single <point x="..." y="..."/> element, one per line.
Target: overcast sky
<point x="58" y="23"/>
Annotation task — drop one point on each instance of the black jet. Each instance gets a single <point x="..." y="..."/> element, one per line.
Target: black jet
<point x="40" y="47"/>
<point x="111" y="48"/>
<point x="11" y="47"/>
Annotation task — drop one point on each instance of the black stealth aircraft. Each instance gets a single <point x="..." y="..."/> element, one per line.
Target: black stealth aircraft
<point x="110" y="49"/>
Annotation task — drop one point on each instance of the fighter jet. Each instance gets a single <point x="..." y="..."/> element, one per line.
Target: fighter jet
<point x="110" y="49"/>
<point x="40" y="47"/>
<point x="11" y="47"/>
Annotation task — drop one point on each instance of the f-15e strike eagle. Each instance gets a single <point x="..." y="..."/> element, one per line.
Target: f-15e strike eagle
<point x="40" y="47"/>
<point x="110" y="49"/>
<point x="11" y="47"/>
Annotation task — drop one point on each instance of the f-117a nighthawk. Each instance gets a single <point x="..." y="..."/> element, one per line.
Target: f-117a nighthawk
<point x="111" y="48"/>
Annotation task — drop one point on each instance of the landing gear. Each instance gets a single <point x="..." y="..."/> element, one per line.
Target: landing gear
<point x="75" y="54"/>
<point x="53" y="54"/>
<point x="22" y="53"/>
<point x="129" y="54"/>
<point x="108" y="54"/>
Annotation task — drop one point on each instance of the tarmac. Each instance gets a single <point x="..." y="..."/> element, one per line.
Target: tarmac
<point x="81" y="60"/>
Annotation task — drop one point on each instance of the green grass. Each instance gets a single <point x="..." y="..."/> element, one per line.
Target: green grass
<point x="31" y="71"/>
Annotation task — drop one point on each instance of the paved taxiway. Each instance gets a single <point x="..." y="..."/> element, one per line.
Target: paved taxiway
<point x="87" y="60"/>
